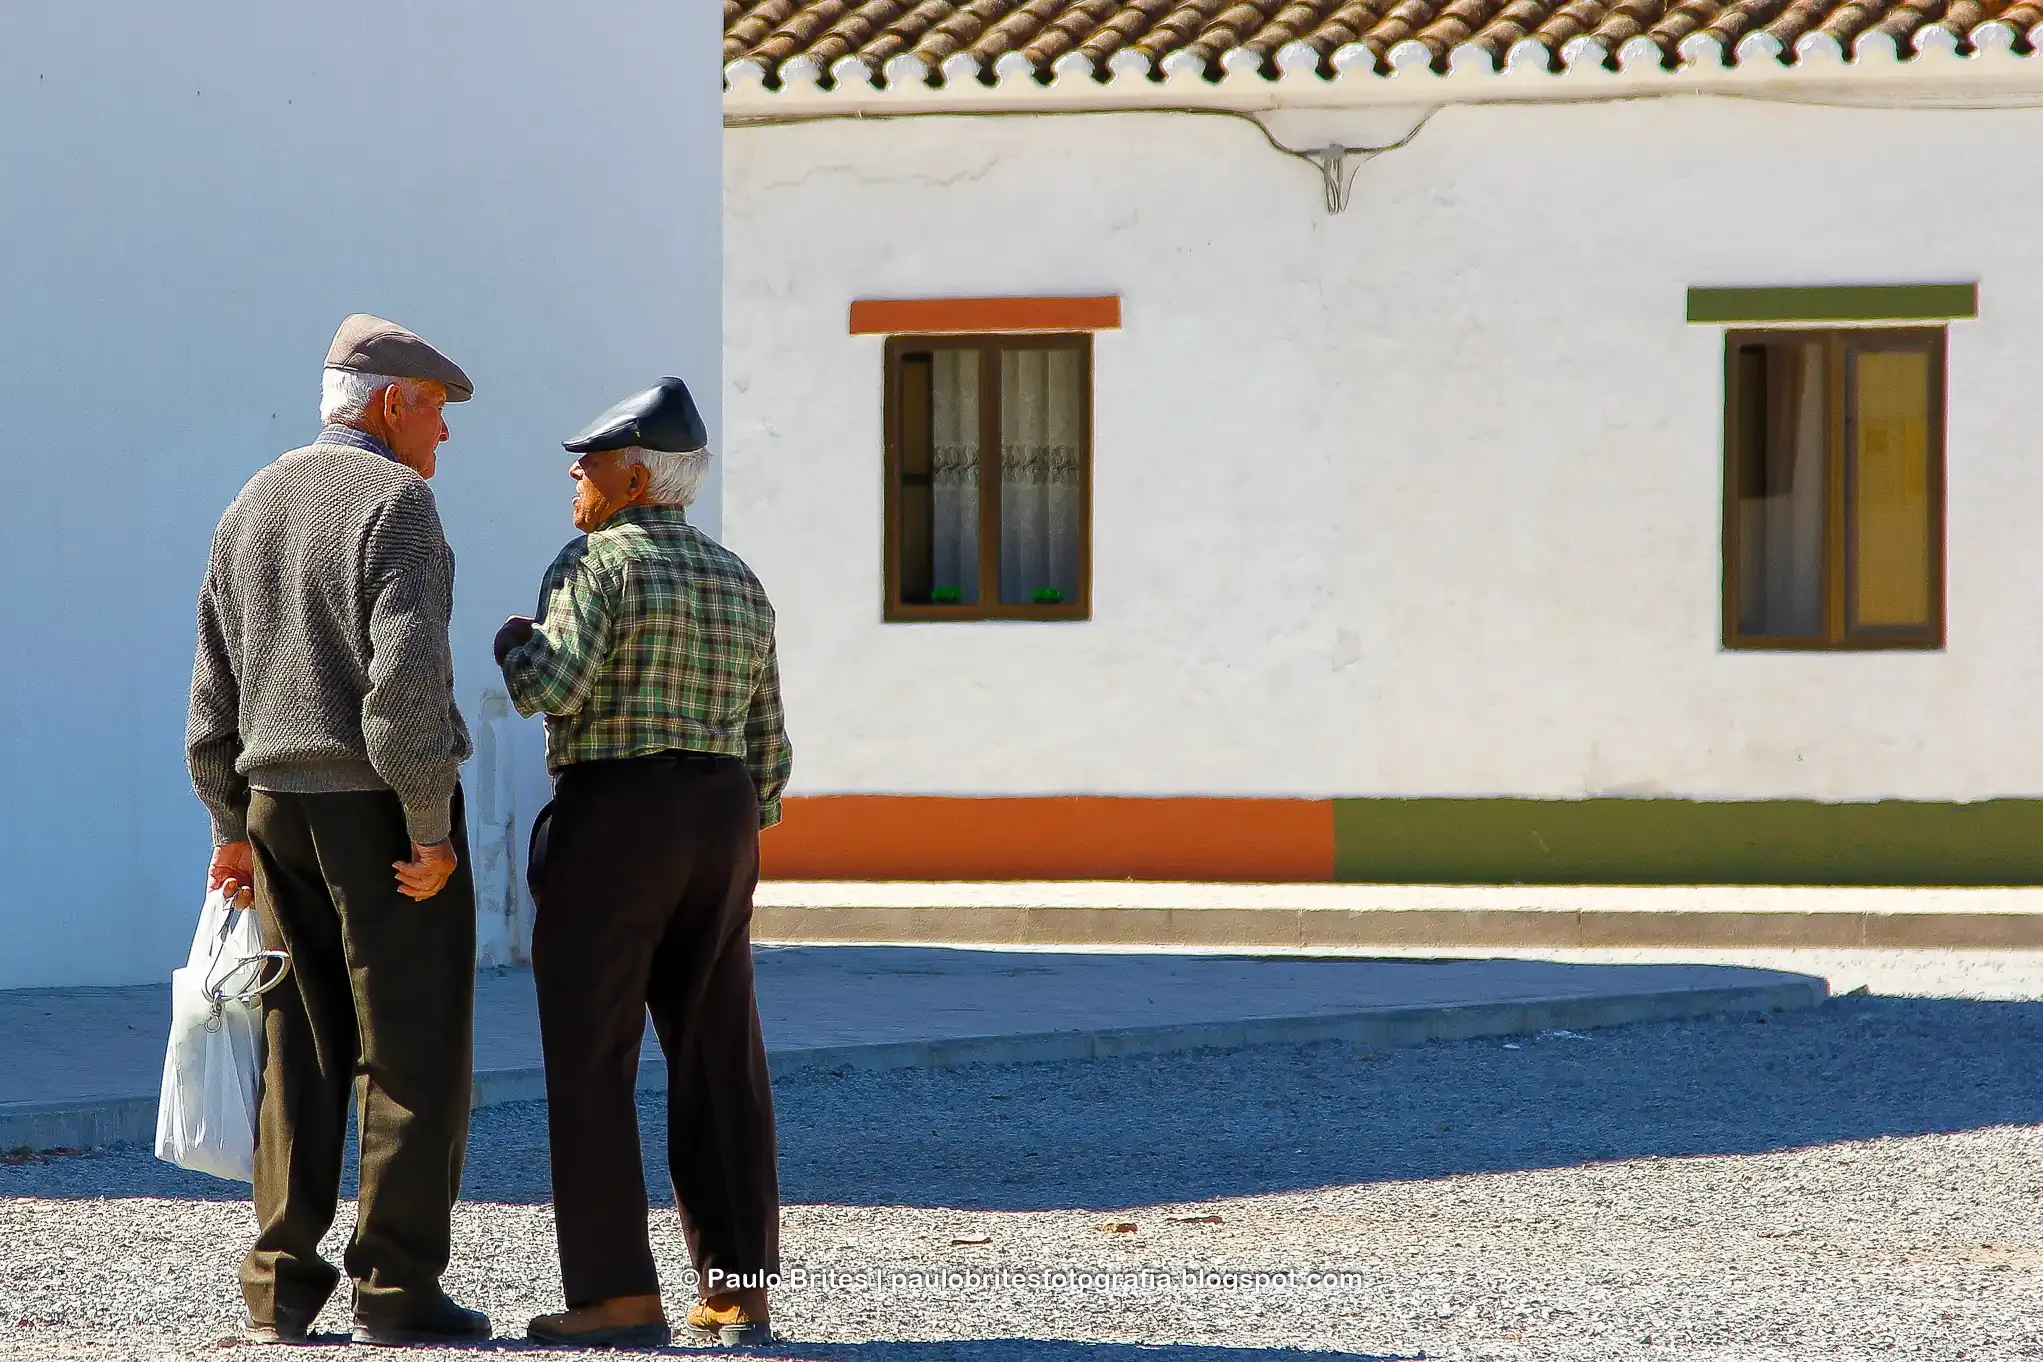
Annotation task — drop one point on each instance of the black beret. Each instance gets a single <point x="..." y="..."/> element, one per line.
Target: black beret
<point x="661" y="418"/>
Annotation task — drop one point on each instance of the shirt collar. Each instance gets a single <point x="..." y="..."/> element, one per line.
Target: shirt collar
<point x="648" y="515"/>
<point x="354" y="439"/>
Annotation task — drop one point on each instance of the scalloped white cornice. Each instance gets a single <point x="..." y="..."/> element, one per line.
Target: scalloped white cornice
<point x="1817" y="70"/>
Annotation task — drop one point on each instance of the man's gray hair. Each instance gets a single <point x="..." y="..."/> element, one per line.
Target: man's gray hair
<point x="677" y="478"/>
<point x="344" y="394"/>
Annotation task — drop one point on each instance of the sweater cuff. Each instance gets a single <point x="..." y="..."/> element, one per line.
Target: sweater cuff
<point x="230" y="826"/>
<point x="428" y="824"/>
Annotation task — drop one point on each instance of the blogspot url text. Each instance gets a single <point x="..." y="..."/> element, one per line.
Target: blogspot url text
<point x="1144" y="1281"/>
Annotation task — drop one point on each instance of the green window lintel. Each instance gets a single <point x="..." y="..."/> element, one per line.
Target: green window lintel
<point x="1834" y="303"/>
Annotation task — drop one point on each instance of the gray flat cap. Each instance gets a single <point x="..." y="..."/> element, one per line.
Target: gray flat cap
<point x="370" y="345"/>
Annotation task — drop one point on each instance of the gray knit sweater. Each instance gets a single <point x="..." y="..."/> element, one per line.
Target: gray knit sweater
<point x="323" y="662"/>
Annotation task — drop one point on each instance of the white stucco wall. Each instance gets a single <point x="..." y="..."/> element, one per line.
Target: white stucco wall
<point x="195" y="196"/>
<point x="1423" y="498"/>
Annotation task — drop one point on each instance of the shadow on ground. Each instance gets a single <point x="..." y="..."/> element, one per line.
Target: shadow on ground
<point x="1059" y="1350"/>
<point x="1196" y="1126"/>
<point x="1142" y="1131"/>
<point x="941" y="1350"/>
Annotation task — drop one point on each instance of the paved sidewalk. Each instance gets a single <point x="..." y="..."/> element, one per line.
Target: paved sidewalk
<point x="1348" y="917"/>
<point x="81" y="1067"/>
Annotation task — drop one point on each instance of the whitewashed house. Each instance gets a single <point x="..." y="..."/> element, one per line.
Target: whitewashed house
<point x="195" y="196"/>
<point x="1424" y="441"/>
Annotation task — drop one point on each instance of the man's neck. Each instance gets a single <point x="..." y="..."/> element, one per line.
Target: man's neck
<point x="370" y="424"/>
<point x="383" y="446"/>
<point x="355" y="435"/>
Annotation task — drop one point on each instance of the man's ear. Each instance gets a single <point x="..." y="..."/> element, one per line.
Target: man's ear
<point x="639" y="483"/>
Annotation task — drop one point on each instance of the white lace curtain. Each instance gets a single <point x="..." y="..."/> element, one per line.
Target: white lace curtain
<point x="1040" y="460"/>
<point x="954" y="474"/>
<point x="1041" y="428"/>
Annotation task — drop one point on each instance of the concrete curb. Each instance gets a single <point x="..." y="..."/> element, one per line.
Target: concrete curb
<point x="132" y="1120"/>
<point x="1241" y="928"/>
<point x="85" y="1124"/>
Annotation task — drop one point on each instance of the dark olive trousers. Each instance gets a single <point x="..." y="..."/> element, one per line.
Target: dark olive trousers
<point x="380" y="998"/>
<point x="642" y="874"/>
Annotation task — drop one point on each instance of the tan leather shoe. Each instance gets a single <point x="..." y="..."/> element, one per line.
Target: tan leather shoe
<point x="734" y="1319"/>
<point x="620" y="1322"/>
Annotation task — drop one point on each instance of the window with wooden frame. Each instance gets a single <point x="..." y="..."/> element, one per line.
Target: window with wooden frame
<point x="989" y="477"/>
<point x="1834" y="488"/>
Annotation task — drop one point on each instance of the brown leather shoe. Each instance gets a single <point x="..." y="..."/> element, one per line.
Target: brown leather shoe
<point x="620" y="1322"/>
<point x="733" y="1319"/>
<point x="442" y="1322"/>
<point x="287" y="1327"/>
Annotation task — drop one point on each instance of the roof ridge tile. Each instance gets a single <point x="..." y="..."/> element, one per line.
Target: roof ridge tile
<point x="943" y="42"/>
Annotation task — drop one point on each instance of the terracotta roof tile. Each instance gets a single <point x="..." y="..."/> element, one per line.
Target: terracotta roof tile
<point x="1200" y="33"/>
<point x="1679" y="21"/>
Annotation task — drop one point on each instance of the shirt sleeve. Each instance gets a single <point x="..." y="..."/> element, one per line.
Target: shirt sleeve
<point x="553" y="671"/>
<point x="212" y="733"/>
<point x="768" y="755"/>
<point x="408" y="721"/>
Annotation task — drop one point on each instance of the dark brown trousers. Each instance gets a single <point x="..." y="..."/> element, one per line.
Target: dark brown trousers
<point x="642" y="874"/>
<point x="380" y="998"/>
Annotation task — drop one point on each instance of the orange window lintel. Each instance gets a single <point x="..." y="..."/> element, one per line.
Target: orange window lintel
<point x="936" y="316"/>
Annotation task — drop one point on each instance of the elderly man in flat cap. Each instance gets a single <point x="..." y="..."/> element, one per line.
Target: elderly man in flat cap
<point x="653" y="660"/>
<point x="324" y="740"/>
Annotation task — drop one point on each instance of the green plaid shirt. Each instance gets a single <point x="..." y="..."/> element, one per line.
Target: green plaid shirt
<point x="653" y="637"/>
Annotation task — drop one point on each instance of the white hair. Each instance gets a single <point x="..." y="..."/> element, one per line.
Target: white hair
<point x="677" y="478"/>
<point x="345" y="394"/>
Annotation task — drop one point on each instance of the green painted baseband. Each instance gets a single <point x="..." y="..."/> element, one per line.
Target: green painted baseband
<point x="1680" y="841"/>
<point x="1846" y="303"/>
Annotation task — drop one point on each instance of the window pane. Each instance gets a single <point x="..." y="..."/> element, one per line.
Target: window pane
<point x="1780" y="488"/>
<point x="917" y="511"/>
<point x="939" y="491"/>
<point x="1041" y="430"/>
<point x="1890" y="490"/>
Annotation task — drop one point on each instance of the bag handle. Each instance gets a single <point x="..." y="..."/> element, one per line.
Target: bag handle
<point x="257" y="986"/>
<point x="218" y="980"/>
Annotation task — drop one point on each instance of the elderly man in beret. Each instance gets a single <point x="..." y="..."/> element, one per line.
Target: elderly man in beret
<point x="324" y="740"/>
<point x="653" y="661"/>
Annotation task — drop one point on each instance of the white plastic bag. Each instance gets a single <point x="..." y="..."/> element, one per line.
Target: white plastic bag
<point x="205" y="1116"/>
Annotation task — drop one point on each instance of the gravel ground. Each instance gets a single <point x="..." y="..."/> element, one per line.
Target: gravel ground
<point x="1852" y="1182"/>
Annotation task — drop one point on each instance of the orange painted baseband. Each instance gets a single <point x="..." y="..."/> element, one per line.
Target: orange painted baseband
<point x="908" y="837"/>
<point x="954" y="316"/>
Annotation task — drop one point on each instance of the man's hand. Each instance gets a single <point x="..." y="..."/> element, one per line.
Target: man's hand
<point x="233" y="872"/>
<point x="516" y="630"/>
<point x="428" y="870"/>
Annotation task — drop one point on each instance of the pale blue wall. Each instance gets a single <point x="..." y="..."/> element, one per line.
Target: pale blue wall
<point x="194" y="196"/>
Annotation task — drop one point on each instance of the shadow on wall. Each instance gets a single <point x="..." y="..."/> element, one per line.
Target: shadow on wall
<point x="1193" y="1127"/>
